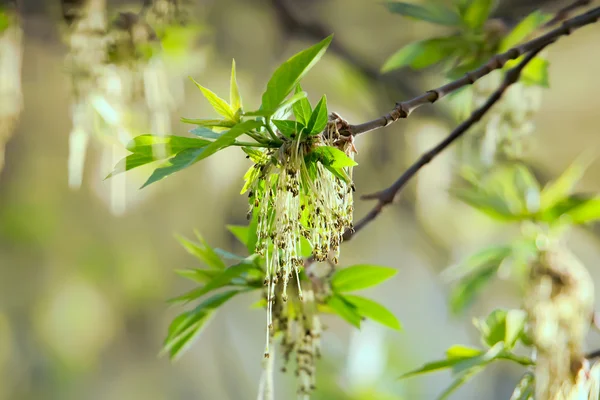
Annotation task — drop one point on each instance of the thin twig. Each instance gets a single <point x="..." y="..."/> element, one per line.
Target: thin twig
<point x="387" y="196"/>
<point x="404" y="109"/>
<point x="564" y="12"/>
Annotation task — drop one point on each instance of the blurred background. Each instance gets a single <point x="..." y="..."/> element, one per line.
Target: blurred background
<point x="83" y="288"/>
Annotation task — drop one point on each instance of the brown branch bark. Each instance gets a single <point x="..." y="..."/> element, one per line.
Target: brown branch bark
<point x="387" y="196"/>
<point x="404" y="109"/>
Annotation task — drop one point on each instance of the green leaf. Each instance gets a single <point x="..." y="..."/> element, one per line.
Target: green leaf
<point x="522" y="31"/>
<point x="536" y="73"/>
<point x="458" y="351"/>
<point x="202" y="251"/>
<point x="373" y="310"/>
<point x="515" y="324"/>
<point x="191" y="156"/>
<point x="246" y="234"/>
<point x="205" y="132"/>
<point x="302" y="109"/>
<point x="181" y="161"/>
<point x="186" y="328"/>
<point x="477" y="13"/>
<point x="465" y="292"/>
<point x="493" y="328"/>
<point x="344" y="309"/>
<point x="198" y="275"/>
<point x="435" y="13"/>
<point x="283" y="109"/>
<point x="434" y="366"/>
<point x="491" y="205"/>
<point x="585" y="212"/>
<point x="223" y="279"/>
<point x="289" y="74"/>
<point x="209" y="122"/>
<point x="528" y="188"/>
<point x="145" y="150"/>
<point x="525" y="388"/>
<point x="424" y="53"/>
<point x="235" y="100"/>
<point x="564" y="206"/>
<point x="318" y="118"/>
<point x="461" y="380"/>
<point x="333" y="157"/>
<point x="489" y="257"/>
<point x="561" y="188"/>
<point x="288" y="128"/>
<point x="220" y="105"/>
<point x="359" y="277"/>
<point x="240" y="232"/>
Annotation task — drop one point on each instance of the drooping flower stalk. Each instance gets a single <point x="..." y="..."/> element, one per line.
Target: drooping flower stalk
<point x="296" y="198"/>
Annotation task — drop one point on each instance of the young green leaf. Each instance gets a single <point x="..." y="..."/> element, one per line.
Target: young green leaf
<point x="465" y="292"/>
<point x="477" y="13"/>
<point x="585" y="212"/>
<point x="489" y="257"/>
<point x="344" y="309"/>
<point x="198" y="275"/>
<point x="318" y="119"/>
<point x="235" y="100"/>
<point x="422" y="54"/>
<point x="536" y="73"/>
<point x="525" y="28"/>
<point x="202" y="251"/>
<point x="186" y="328"/>
<point x="563" y="207"/>
<point x="302" y="109"/>
<point x="359" y="277"/>
<point x="284" y="108"/>
<point x="333" y="157"/>
<point x="435" y="13"/>
<point x="289" y="74"/>
<point x="490" y="204"/>
<point x="288" y="128"/>
<point x="219" y="123"/>
<point x="143" y="147"/>
<point x="220" y="105"/>
<point x="493" y="328"/>
<point x="203" y="131"/>
<point x="373" y="310"/>
<point x="240" y="232"/>
<point x="515" y="324"/>
<point x="225" y="278"/>
<point x="189" y="157"/>
<point x="561" y="188"/>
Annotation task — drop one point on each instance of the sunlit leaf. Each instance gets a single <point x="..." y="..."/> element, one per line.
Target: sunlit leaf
<point x="318" y="118"/>
<point x="334" y="157"/>
<point x="220" y="105"/>
<point x="344" y="309"/>
<point x="536" y="73"/>
<point x="514" y="324"/>
<point x="562" y="187"/>
<point x="477" y="12"/>
<point x="289" y="74"/>
<point x="373" y="310"/>
<point x="359" y="277"/>
<point x="435" y="13"/>
<point x="585" y="211"/>
<point x="302" y="109"/>
<point x="522" y="31"/>
<point x="422" y="54"/>
<point x="287" y="127"/>
<point x="144" y="149"/>
<point x="189" y="157"/>
<point x="220" y="123"/>
<point x="235" y="99"/>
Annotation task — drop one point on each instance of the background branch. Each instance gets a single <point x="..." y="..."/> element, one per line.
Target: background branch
<point x="404" y="109"/>
<point x="387" y="196"/>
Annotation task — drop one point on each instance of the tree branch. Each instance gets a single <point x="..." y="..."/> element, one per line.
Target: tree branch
<point x="564" y="12"/>
<point x="404" y="109"/>
<point x="387" y="196"/>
